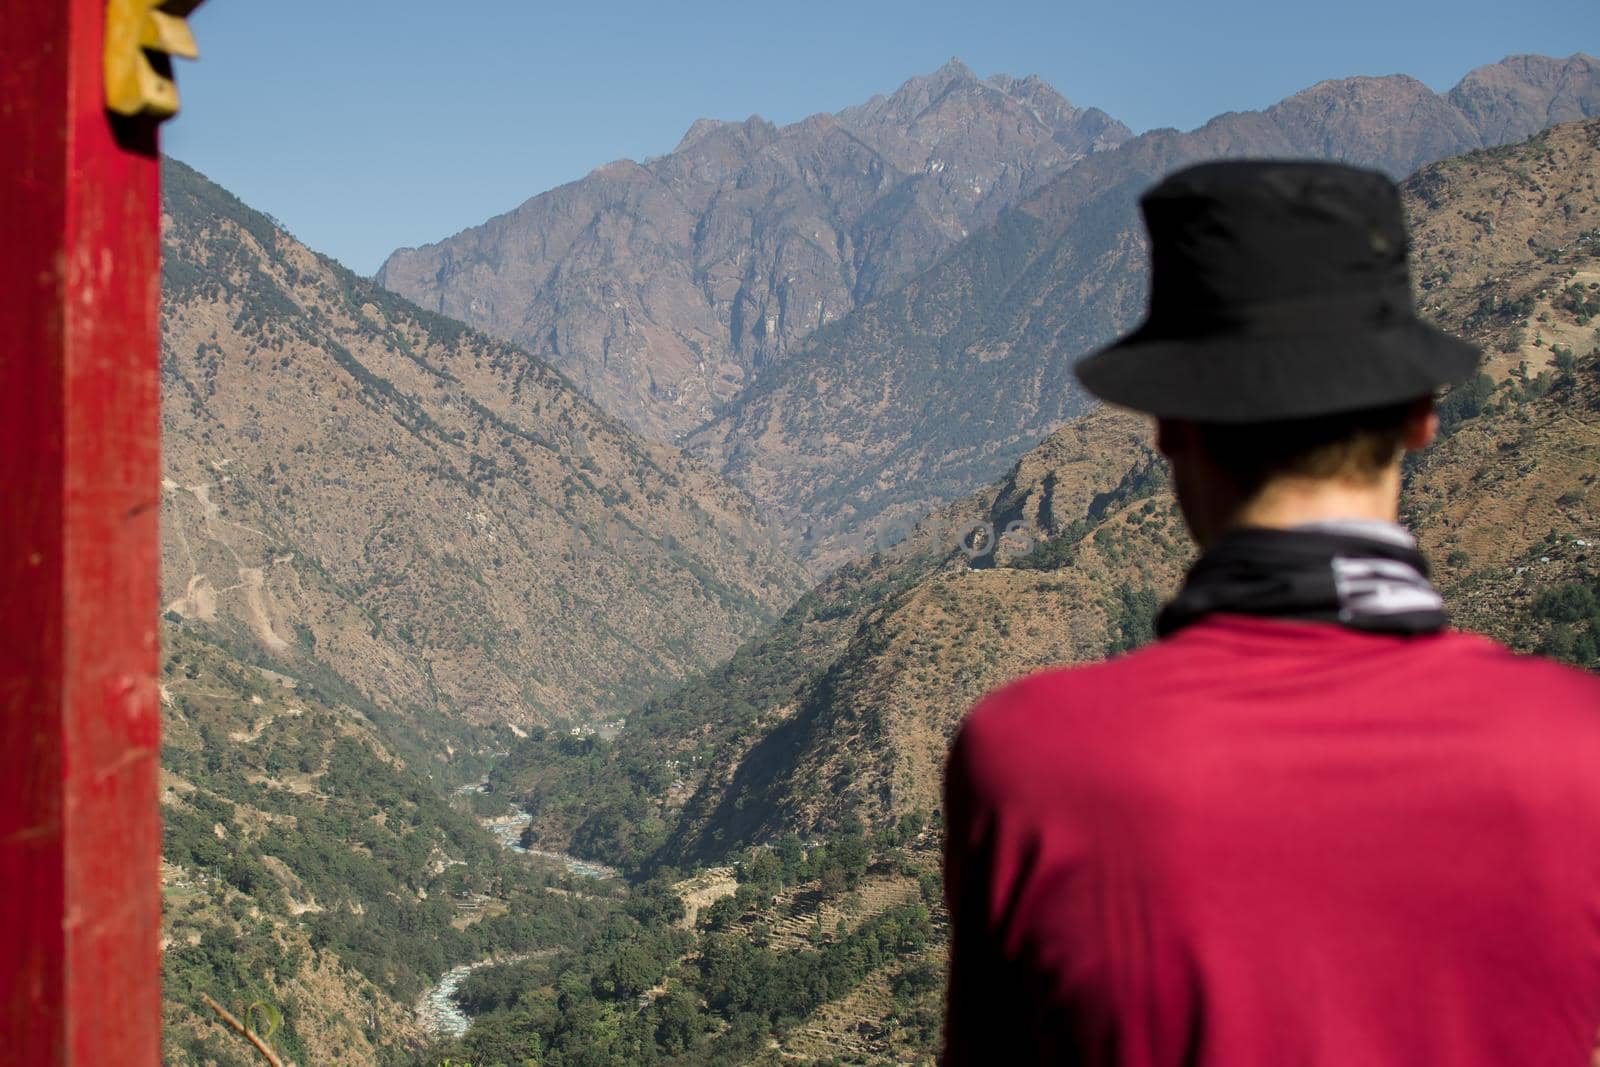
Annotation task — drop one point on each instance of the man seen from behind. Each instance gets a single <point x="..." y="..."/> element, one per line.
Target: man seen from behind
<point x="1311" y="826"/>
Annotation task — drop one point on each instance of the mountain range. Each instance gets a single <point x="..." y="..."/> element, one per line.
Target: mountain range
<point x="900" y="387"/>
<point x="931" y="391"/>
<point x="662" y="288"/>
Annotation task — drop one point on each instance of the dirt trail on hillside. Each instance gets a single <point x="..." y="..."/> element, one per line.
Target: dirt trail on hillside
<point x="199" y="600"/>
<point x="211" y="512"/>
<point x="254" y="580"/>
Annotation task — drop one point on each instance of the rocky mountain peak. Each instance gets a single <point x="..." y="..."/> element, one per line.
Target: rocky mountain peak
<point x="955" y="85"/>
<point x="952" y="74"/>
<point x="1520" y="94"/>
<point x="1547" y="73"/>
<point x="752" y="130"/>
<point x="913" y="97"/>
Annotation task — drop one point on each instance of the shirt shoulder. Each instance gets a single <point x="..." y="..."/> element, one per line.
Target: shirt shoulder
<point x="1545" y="704"/>
<point x="1481" y="657"/>
<point x="1048" y="715"/>
<point x="1094" y="711"/>
<point x="1024" y="705"/>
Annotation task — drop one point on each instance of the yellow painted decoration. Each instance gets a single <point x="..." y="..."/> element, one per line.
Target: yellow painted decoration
<point x="134" y="30"/>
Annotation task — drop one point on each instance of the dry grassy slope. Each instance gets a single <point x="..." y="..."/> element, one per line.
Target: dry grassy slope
<point x="1508" y="509"/>
<point x="1504" y="240"/>
<point x="1493" y="228"/>
<point x="927" y="392"/>
<point x="868" y="737"/>
<point x="437" y="517"/>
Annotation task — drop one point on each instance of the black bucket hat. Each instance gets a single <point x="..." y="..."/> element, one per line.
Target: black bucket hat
<point x="1279" y="290"/>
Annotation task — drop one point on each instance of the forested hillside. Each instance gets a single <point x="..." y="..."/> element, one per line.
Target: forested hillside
<point x="389" y="544"/>
<point x="309" y="867"/>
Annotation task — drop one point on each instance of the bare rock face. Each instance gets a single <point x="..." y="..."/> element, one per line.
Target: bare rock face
<point x="662" y="288"/>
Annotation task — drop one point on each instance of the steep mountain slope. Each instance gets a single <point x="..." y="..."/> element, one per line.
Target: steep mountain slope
<point x="661" y="287"/>
<point x="388" y="541"/>
<point x="931" y="390"/>
<point x="696" y="772"/>
<point x="358" y="490"/>
<point x="1507" y="248"/>
<point x="867" y="737"/>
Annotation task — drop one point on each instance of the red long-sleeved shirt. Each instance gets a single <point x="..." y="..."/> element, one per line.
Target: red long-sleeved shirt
<point x="1262" y="843"/>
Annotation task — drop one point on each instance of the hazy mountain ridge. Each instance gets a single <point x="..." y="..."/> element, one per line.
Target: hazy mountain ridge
<point x="929" y="391"/>
<point x="1523" y="94"/>
<point x="356" y="486"/>
<point x="661" y="287"/>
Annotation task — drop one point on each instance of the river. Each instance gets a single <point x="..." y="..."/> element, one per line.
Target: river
<point x="508" y="830"/>
<point x="437" y="1009"/>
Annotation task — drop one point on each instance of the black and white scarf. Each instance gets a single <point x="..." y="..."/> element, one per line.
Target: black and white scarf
<point x="1364" y="574"/>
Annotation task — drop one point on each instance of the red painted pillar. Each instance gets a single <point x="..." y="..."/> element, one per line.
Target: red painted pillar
<point x="79" y="552"/>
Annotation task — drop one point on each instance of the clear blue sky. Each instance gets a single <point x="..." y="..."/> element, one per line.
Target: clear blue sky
<point x="365" y="125"/>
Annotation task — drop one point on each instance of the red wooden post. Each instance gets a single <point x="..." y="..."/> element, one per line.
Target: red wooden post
<point x="80" y="825"/>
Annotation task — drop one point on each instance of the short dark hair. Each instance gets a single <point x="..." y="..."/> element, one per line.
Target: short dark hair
<point x="1352" y="445"/>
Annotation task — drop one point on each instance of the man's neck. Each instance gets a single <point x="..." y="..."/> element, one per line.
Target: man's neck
<point x="1289" y="502"/>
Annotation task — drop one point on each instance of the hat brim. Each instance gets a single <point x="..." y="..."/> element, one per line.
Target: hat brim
<point x="1232" y="378"/>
